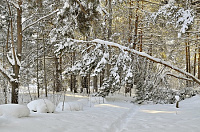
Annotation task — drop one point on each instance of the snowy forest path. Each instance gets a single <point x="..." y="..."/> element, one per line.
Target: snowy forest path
<point x="124" y="120"/>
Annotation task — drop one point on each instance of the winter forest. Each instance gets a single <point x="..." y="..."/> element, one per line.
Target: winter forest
<point x="120" y="57"/>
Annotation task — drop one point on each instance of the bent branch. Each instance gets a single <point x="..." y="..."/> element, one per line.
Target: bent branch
<point x="142" y="54"/>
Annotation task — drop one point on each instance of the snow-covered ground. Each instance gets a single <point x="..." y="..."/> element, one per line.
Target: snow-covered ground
<point x="116" y="114"/>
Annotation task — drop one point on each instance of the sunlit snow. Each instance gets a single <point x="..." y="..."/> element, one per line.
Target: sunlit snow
<point x="117" y="114"/>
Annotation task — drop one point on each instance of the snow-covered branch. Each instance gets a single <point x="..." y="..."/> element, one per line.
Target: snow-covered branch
<point x="179" y="77"/>
<point x="13" y="58"/>
<point x="11" y="61"/>
<point x="101" y="61"/>
<point x="177" y="16"/>
<point x="14" y="4"/>
<point x="142" y="54"/>
<point x="40" y="19"/>
<point x="29" y="18"/>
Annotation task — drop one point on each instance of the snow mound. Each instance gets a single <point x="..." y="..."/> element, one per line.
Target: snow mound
<point x="41" y="106"/>
<point x="14" y="110"/>
<point x="72" y="106"/>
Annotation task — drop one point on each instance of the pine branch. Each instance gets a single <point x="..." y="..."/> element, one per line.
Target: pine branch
<point x="142" y="54"/>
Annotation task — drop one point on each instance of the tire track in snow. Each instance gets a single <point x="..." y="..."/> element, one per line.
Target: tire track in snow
<point x="122" y="121"/>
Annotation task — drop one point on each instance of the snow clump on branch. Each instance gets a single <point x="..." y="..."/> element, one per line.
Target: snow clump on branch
<point x="177" y="16"/>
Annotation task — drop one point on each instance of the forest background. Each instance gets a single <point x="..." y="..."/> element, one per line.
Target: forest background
<point x="144" y="48"/>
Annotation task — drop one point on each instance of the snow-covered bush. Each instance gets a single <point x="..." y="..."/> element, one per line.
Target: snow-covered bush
<point x="149" y="91"/>
<point x="72" y="106"/>
<point x="187" y="93"/>
<point x="151" y="84"/>
<point x="41" y="106"/>
<point x="14" y="110"/>
<point x="97" y="100"/>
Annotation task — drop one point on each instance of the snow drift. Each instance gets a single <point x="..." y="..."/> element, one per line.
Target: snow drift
<point x="41" y="106"/>
<point x="79" y="104"/>
<point x="14" y="110"/>
<point x="72" y="106"/>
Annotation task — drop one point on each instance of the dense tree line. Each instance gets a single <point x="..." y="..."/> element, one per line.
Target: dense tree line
<point x="49" y="45"/>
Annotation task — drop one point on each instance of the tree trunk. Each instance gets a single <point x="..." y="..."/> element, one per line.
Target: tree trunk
<point x="88" y="83"/>
<point x="102" y="77"/>
<point x="136" y="26"/>
<point x="110" y="20"/>
<point x="141" y="32"/>
<point x="195" y="61"/>
<point x="57" y="78"/>
<point x="108" y="66"/>
<point x="177" y="104"/>
<point x="199" y="64"/>
<point x="189" y="63"/>
<point x="16" y="67"/>
<point x="38" y="84"/>
<point x="45" y="78"/>
<point x="130" y="23"/>
<point x="186" y="55"/>
<point x="73" y="77"/>
<point x="15" y="91"/>
<point x="187" y="48"/>
<point x="61" y="86"/>
<point x="95" y="85"/>
<point x="84" y="83"/>
<point x="6" y="91"/>
<point x="19" y="30"/>
<point x="71" y="82"/>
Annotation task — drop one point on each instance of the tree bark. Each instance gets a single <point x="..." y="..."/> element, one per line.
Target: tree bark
<point x="141" y="32"/>
<point x="44" y="59"/>
<point x="199" y="64"/>
<point x="38" y="84"/>
<point x="130" y="22"/>
<point x="110" y="20"/>
<point x="19" y="30"/>
<point x="102" y="77"/>
<point x="136" y="26"/>
<point x="88" y="83"/>
<point x="108" y="66"/>
<point x="16" y="56"/>
<point x="95" y="85"/>
<point x="57" y="78"/>
<point x="186" y="55"/>
<point x="15" y="91"/>
<point x="187" y="48"/>
<point x="73" y="77"/>
<point x="195" y="61"/>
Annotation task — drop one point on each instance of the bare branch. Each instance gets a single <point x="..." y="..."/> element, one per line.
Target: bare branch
<point x="29" y="18"/>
